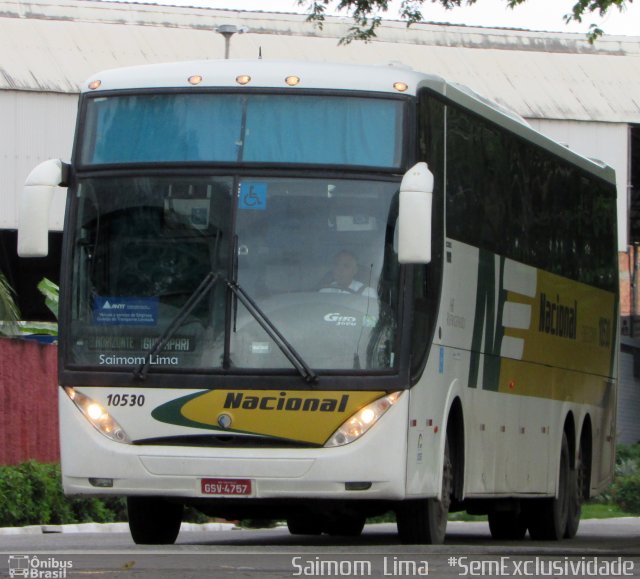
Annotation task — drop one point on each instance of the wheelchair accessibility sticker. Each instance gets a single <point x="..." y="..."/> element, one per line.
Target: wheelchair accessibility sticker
<point x="253" y="196"/>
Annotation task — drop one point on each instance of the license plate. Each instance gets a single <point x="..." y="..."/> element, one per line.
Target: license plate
<point x="225" y="486"/>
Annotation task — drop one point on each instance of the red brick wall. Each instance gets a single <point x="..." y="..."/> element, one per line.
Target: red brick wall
<point x="629" y="263"/>
<point x="28" y="402"/>
<point x="625" y="262"/>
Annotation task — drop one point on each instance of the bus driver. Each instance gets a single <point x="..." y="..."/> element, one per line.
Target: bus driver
<point x="345" y="268"/>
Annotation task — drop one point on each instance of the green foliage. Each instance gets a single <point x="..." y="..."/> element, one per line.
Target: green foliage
<point x="31" y="494"/>
<point x="51" y="293"/>
<point x="9" y="313"/>
<point x="593" y="510"/>
<point x="628" y="452"/>
<point x="366" y="13"/>
<point x="626" y="493"/>
<point x="257" y="523"/>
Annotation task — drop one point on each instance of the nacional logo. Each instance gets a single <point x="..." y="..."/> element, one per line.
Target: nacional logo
<point x="557" y="318"/>
<point x="285" y="402"/>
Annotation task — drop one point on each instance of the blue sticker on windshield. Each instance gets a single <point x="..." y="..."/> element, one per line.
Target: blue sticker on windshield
<point x="253" y="196"/>
<point x="125" y="311"/>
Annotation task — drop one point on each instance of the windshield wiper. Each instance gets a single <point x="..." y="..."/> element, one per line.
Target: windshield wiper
<point x="297" y="361"/>
<point x="194" y="299"/>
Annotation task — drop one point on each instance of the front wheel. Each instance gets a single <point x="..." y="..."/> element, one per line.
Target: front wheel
<point x="424" y="521"/>
<point x="154" y="521"/>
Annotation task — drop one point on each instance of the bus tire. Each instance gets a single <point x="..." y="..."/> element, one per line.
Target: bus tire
<point x="547" y="518"/>
<point x="154" y="521"/>
<point x="424" y="521"/>
<point x="576" y="495"/>
<point x="507" y="525"/>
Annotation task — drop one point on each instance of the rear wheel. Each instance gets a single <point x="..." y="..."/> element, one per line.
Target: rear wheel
<point x="547" y="518"/>
<point x="154" y="521"/>
<point x="576" y="495"/>
<point x="424" y="521"/>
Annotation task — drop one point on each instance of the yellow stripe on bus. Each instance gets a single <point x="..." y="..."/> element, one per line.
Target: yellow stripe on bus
<point x="571" y="325"/>
<point x="526" y="379"/>
<point x="304" y="416"/>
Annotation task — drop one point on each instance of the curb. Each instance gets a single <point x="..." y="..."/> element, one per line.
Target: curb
<point x="105" y="528"/>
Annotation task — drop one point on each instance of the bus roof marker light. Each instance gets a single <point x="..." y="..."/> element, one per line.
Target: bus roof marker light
<point x="195" y="79"/>
<point x="95" y="84"/>
<point x="292" y="80"/>
<point x="401" y="86"/>
<point x="243" y="79"/>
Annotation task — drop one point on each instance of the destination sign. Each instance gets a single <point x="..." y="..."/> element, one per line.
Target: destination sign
<point x="175" y="344"/>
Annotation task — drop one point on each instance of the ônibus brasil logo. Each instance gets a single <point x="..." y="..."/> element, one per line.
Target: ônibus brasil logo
<point x="38" y="568"/>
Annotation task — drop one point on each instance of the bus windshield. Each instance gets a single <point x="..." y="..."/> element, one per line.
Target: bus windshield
<point x="316" y="256"/>
<point x="214" y="127"/>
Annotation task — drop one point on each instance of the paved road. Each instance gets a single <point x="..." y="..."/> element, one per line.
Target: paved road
<point x="602" y="548"/>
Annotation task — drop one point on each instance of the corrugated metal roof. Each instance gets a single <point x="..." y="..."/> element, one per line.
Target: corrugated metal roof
<point x="53" y="46"/>
<point x="312" y="75"/>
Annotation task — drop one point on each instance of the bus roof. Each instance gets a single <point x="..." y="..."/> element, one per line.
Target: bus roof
<point x="393" y="78"/>
<point x="263" y="73"/>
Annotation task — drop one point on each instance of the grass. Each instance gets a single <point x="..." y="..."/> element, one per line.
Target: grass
<point x="603" y="511"/>
<point x="589" y="511"/>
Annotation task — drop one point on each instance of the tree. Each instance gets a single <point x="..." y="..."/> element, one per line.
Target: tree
<point x="9" y="313"/>
<point x="366" y="13"/>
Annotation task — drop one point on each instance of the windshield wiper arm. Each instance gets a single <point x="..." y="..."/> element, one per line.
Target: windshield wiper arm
<point x="267" y="325"/>
<point x="194" y="299"/>
<point x="297" y="361"/>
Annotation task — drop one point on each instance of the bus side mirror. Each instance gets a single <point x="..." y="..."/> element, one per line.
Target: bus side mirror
<point x="33" y="217"/>
<point x="414" y="219"/>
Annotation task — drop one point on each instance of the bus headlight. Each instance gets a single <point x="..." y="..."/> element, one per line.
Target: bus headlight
<point x="363" y="420"/>
<point x="98" y="416"/>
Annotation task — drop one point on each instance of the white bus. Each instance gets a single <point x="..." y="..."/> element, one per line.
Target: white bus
<point x="320" y="293"/>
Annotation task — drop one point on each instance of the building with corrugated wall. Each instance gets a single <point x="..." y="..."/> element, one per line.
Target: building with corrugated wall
<point x="582" y="95"/>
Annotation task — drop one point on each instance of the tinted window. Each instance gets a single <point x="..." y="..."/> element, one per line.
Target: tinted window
<point x="519" y="201"/>
<point x="227" y="128"/>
